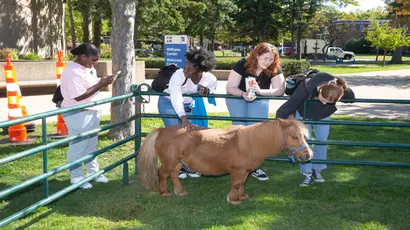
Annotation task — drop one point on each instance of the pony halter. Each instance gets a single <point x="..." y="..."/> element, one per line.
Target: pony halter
<point x="291" y="156"/>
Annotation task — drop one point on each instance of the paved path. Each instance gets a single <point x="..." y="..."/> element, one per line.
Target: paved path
<point x="382" y="85"/>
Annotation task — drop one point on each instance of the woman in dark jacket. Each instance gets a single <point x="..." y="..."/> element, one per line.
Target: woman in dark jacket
<point x="328" y="90"/>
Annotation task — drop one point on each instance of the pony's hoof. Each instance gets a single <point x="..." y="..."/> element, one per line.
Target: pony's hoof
<point x="234" y="202"/>
<point x="243" y="196"/>
<point x="166" y="194"/>
<point x="181" y="193"/>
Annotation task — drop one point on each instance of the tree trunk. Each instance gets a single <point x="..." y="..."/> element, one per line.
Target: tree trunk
<point x="201" y="40"/>
<point x="86" y="24"/>
<point x="97" y="27"/>
<point x="137" y="25"/>
<point x="384" y="58"/>
<point x="123" y="57"/>
<point x="70" y="13"/>
<point x="397" y="56"/>
<point x="377" y="54"/>
<point x="34" y="24"/>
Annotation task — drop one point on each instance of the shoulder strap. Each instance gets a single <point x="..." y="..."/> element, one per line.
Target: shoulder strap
<point x="186" y="79"/>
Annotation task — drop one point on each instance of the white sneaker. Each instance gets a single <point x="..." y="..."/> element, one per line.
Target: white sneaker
<point x="83" y="186"/>
<point x="101" y="179"/>
<point x="182" y="174"/>
<point x="86" y="186"/>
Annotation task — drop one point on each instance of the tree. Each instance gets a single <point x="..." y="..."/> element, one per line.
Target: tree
<point x="123" y="56"/>
<point x="260" y="20"/>
<point x="70" y="15"/>
<point x="400" y="11"/>
<point x="387" y="37"/>
<point x="324" y="23"/>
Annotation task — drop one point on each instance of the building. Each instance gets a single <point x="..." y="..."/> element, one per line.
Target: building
<point x="356" y="29"/>
<point x="35" y="26"/>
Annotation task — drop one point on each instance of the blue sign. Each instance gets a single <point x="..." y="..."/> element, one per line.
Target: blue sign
<point x="175" y="47"/>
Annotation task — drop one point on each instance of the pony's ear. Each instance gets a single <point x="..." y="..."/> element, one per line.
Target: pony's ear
<point x="291" y="116"/>
<point x="283" y="123"/>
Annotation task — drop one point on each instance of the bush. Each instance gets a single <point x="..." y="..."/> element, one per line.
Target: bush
<point x="361" y="46"/>
<point x="13" y="53"/>
<point x="31" y="56"/>
<point x="289" y="67"/>
<point x="141" y="53"/>
<point x="105" y="51"/>
<point x="158" y="53"/>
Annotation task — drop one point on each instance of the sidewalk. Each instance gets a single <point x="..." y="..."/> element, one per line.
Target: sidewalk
<point x="380" y="85"/>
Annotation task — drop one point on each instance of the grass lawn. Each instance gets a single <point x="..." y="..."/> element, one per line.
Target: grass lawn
<point x="373" y="57"/>
<point x="360" y="68"/>
<point x="353" y="197"/>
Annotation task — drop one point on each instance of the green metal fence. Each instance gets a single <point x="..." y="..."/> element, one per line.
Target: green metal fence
<point x="46" y="146"/>
<point x="138" y="94"/>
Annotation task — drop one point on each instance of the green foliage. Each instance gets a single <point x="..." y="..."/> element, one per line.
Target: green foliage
<point x="360" y="46"/>
<point x="387" y="37"/>
<point x="158" y="53"/>
<point x="31" y="56"/>
<point x="13" y="53"/>
<point x="140" y="53"/>
<point x="288" y="66"/>
<point x="371" y="14"/>
<point x="105" y="51"/>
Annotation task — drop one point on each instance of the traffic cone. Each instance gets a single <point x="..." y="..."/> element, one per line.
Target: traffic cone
<point x="61" y="127"/>
<point x="17" y="133"/>
<point x="30" y="126"/>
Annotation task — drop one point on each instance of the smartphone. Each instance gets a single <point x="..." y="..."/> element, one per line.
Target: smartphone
<point x="118" y="73"/>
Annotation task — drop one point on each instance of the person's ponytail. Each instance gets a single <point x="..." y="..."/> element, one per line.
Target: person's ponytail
<point x="341" y="82"/>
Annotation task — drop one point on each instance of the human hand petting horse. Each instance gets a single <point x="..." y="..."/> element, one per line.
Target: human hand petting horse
<point x="236" y="150"/>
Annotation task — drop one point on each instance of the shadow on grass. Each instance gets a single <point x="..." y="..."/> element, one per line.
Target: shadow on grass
<point x="351" y="195"/>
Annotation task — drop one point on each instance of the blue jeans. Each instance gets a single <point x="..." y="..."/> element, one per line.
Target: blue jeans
<point x="319" y="151"/>
<point x="241" y="108"/>
<point x="165" y="107"/>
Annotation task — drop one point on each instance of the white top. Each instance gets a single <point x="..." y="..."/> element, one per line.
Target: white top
<point x="75" y="81"/>
<point x="176" y="89"/>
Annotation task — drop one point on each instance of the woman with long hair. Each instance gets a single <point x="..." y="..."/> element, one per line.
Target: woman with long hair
<point x="262" y="65"/>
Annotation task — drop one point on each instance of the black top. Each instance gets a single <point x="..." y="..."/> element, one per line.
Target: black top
<point x="308" y="89"/>
<point x="263" y="80"/>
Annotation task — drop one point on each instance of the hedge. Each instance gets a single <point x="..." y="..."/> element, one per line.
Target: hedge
<point x="289" y="66"/>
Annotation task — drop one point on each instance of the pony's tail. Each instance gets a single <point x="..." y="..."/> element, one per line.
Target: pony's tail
<point x="148" y="162"/>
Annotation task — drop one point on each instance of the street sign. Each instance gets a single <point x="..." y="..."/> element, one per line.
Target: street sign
<point x="175" y="47"/>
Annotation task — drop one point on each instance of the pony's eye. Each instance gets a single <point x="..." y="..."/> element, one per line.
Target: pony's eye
<point x="294" y="137"/>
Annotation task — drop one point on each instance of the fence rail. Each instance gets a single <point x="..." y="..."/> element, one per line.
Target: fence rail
<point x="138" y="95"/>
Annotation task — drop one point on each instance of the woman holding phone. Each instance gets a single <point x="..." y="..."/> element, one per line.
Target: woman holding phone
<point x="80" y="85"/>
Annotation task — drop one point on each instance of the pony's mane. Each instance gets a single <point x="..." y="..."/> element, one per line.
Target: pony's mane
<point x="301" y="126"/>
<point x="266" y="136"/>
<point x="260" y="138"/>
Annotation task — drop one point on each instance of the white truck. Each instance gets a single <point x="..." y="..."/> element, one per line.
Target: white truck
<point x="308" y="47"/>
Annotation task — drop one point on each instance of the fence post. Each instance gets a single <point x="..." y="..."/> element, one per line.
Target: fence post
<point x="137" y="98"/>
<point x="45" y="155"/>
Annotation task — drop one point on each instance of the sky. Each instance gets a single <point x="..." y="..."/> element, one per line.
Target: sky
<point x="365" y="5"/>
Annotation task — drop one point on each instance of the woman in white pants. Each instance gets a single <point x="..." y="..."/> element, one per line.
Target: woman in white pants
<point x="80" y="85"/>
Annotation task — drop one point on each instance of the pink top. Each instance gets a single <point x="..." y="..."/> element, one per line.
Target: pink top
<point x="75" y="81"/>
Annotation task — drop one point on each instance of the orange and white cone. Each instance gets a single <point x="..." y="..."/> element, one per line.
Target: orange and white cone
<point x="17" y="133"/>
<point x="61" y="127"/>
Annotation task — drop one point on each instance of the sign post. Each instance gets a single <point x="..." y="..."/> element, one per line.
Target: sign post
<point x="175" y="47"/>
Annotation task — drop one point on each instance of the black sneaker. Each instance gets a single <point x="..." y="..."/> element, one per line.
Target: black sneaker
<point x="317" y="176"/>
<point x="260" y="175"/>
<point x="191" y="173"/>
<point x="308" y="180"/>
